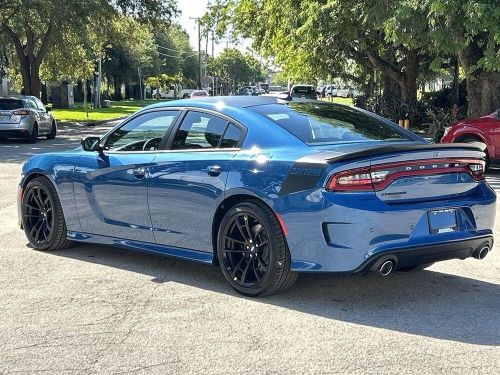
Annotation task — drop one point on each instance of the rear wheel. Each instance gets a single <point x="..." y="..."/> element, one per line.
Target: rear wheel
<point x="252" y="251"/>
<point x="33" y="136"/>
<point x="42" y="216"/>
<point x="53" y="131"/>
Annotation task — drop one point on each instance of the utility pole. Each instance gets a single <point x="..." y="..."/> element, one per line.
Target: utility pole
<point x="199" y="50"/>
<point x="213" y="43"/>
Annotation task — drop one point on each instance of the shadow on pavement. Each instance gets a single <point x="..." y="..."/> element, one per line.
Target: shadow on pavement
<point x="69" y="137"/>
<point x="424" y="303"/>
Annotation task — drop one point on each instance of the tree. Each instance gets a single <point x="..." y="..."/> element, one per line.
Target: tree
<point x="233" y="68"/>
<point x="33" y="26"/>
<point x="471" y="30"/>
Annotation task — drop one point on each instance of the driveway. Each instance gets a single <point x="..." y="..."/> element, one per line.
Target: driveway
<point x="96" y="309"/>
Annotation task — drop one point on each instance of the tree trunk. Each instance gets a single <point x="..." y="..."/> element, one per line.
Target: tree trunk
<point x="390" y="87"/>
<point x="118" y="88"/>
<point x="483" y="87"/>
<point x="410" y="75"/>
<point x="483" y="93"/>
<point x="455" y="86"/>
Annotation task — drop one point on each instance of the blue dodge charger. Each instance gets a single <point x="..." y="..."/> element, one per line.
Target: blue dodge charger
<point x="265" y="189"/>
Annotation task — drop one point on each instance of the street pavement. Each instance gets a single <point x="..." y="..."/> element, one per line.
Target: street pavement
<point x="96" y="309"/>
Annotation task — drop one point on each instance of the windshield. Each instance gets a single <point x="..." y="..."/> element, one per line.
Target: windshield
<point x="10" y="104"/>
<point x="324" y="123"/>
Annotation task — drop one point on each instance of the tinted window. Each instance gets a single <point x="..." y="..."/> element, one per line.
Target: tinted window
<point x="143" y="133"/>
<point x="231" y="137"/>
<point x="199" y="130"/>
<point x="303" y="89"/>
<point x="39" y="104"/>
<point x="324" y="123"/>
<point x="10" y="104"/>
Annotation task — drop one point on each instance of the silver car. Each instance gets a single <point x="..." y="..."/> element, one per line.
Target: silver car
<point x="26" y="117"/>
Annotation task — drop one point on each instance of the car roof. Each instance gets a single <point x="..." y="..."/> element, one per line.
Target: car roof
<point x="229" y="101"/>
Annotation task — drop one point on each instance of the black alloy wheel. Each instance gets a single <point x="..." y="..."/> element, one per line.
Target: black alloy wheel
<point x="252" y="251"/>
<point x="42" y="216"/>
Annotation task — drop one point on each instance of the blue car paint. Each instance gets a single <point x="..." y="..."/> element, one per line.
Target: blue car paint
<point x="171" y="210"/>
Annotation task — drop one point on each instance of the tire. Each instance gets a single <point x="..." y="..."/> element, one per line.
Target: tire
<point x="53" y="131"/>
<point x="251" y="270"/>
<point x="33" y="136"/>
<point x="420" y="267"/>
<point x="42" y="216"/>
<point x="471" y="139"/>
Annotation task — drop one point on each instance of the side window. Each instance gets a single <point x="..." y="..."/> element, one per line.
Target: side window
<point x="39" y="105"/>
<point x="231" y="137"/>
<point x="31" y="104"/>
<point x="143" y="133"/>
<point x="199" y="130"/>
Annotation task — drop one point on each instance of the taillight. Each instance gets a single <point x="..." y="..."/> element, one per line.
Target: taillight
<point x="380" y="176"/>
<point x="21" y="112"/>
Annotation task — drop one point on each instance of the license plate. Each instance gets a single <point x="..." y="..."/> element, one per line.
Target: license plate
<point x="442" y="221"/>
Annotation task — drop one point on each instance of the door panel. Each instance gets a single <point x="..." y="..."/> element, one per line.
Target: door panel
<point x="185" y="189"/>
<point x="187" y="183"/>
<point x="111" y="195"/>
<point x="111" y="186"/>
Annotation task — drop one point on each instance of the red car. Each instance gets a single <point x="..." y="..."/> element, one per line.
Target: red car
<point x="484" y="129"/>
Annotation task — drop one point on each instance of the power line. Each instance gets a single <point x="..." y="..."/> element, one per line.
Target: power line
<point x="172" y="49"/>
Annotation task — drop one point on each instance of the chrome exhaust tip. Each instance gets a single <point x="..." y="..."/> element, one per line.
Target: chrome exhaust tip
<point x="481" y="254"/>
<point x="386" y="268"/>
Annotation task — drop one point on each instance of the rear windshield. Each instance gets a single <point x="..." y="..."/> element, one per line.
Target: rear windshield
<point x="303" y="89"/>
<point x="324" y="123"/>
<point x="10" y="104"/>
<point x="200" y="93"/>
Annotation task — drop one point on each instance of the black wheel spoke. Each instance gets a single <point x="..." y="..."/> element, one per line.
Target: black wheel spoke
<point x="234" y="251"/>
<point x="256" y="271"/>
<point x="237" y="267"/>
<point x="240" y="228"/>
<point x="247" y="227"/>
<point x="244" y="272"/>
<point x="229" y="238"/>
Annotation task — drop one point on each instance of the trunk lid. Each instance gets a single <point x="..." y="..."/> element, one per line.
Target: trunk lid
<point x="400" y="173"/>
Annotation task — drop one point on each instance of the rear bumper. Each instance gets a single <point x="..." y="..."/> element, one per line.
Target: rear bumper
<point x="14" y="133"/>
<point x="416" y="255"/>
<point x="348" y="233"/>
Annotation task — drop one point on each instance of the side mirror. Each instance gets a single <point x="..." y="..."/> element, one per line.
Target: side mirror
<point x="91" y="144"/>
<point x="48" y="107"/>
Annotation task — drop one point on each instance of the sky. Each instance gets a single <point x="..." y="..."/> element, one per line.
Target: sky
<point x="197" y="8"/>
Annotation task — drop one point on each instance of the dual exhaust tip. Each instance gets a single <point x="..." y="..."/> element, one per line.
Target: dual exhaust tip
<point x="387" y="266"/>
<point x="482" y="252"/>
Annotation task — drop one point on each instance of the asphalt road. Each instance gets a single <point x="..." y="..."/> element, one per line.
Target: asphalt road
<point x="95" y="309"/>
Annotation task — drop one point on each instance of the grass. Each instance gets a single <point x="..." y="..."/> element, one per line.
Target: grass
<point x="118" y="109"/>
<point x="339" y="100"/>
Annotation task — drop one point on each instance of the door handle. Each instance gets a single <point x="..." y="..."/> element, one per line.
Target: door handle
<point x="214" y="170"/>
<point x="139" y="172"/>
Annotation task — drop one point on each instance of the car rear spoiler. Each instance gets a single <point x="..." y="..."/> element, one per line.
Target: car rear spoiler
<point x="386" y="149"/>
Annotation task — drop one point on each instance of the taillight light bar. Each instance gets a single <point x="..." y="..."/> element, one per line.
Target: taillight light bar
<point x="21" y="112"/>
<point x="380" y="176"/>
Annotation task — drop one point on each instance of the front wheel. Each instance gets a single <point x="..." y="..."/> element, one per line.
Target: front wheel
<point x="42" y="216"/>
<point x="252" y="250"/>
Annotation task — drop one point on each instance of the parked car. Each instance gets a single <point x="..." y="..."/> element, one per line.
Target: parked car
<point x="343" y="93"/>
<point x="248" y="91"/>
<point x="329" y="91"/>
<point x="265" y="189"/>
<point x="199" y="94"/>
<point x="26" y="117"/>
<point x="303" y="91"/>
<point x="484" y="129"/>
<point x="172" y="94"/>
